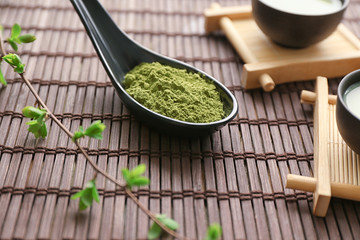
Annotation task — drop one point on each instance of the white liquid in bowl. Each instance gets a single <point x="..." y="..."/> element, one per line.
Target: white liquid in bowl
<point x="305" y="7"/>
<point x="352" y="98"/>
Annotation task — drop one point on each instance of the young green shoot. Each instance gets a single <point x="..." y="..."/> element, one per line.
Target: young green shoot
<point x="2" y="78"/>
<point x="87" y="195"/>
<point x="16" y="38"/>
<point x="94" y="131"/>
<point x="133" y="177"/>
<point x="37" y="125"/>
<point x="15" y="61"/>
<point x="155" y="230"/>
<point x="214" y="232"/>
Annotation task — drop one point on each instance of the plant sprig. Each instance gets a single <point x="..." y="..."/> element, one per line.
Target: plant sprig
<point x="87" y="195"/>
<point x="214" y="232"/>
<point x="155" y="230"/>
<point x="16" y="38"/>
<point x="15" y="61"/>
<point x="133" y="177"/>
<point x="94" y="131"/>
<point x="2" y="78"/>
<point x="37" y="125"/>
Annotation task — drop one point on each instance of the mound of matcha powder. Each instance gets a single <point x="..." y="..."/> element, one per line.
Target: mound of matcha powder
<point x="175" y="93"/>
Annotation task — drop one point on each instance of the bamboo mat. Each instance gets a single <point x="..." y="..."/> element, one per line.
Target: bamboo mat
<point x="235" y="177"/>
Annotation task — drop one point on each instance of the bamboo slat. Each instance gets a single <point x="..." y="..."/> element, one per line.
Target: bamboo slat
<point x="235" y="177"/>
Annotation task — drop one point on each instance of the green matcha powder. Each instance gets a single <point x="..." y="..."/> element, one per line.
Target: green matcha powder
<point x="175" y="93"/>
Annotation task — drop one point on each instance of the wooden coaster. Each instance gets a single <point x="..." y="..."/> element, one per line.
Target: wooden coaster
<point x="268" y="63"/>
<point x="337" y="167"/>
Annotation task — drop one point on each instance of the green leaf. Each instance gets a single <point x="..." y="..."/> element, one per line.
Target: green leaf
<point x="2" y="78"/>
<point x="12" y="44"/>
<point x="85" y="200"/>
<point x="76" y="195"/>
<point x="43" y="131"/>
<point x="20" y="68"/>
<point x="83" y="205"/>
<point x="140" y="181"/>
<point x="39" y="130"/>
<point x="155" y="230"/>
<point x="138" y="170"/>
<point x="15" y="30"/>
<point x="90" y="184"/>
<point x="10" y="59"/>
<point x="27" y="38"/>
<point x="95" y="130"/>
<point x="17" y="40"/>
<point x="33" y="112"/>
<point x="87" y="195"/>
<point x="77" y="135"/>
<point x="37" y="125"/>
<point x="214" y="232"/>
<point x="95" y="194"/>
<point x="15" y="61"/>
<point x="35" y="129"/>
<point x="126" y="174"/>
<point x="31" y="123"/>
<point x="1" y="28"/>
<point x="170" y="223"/>
<point x="133" y="177"/>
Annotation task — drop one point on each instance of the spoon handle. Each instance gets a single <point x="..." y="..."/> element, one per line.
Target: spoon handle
<point x="111" y="43"/>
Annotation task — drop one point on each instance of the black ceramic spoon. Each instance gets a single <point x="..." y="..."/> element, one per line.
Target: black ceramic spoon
<point x="119" y="54"/>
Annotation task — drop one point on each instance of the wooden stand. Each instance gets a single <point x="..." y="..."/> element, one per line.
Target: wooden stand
<point x="268" y="64"/>
<point x="337" y="167"/>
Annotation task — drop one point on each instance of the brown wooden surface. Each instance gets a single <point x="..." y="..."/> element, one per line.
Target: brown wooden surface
<point x="235" y="177"/>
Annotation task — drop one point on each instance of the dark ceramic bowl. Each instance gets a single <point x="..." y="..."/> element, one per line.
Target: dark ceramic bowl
<point x="348" y="124"/>
<point x="295" y="30"/>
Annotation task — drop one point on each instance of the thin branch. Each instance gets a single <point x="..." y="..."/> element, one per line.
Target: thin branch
<point x="129" y="193"/>
<point x="40" y="101"/>
<point x="92" y="163"/>
<point x="33" y="91"/>
<point x="2" y="48"/>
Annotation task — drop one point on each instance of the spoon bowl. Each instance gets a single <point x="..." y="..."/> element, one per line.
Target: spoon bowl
<point x="119" y="54"/>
